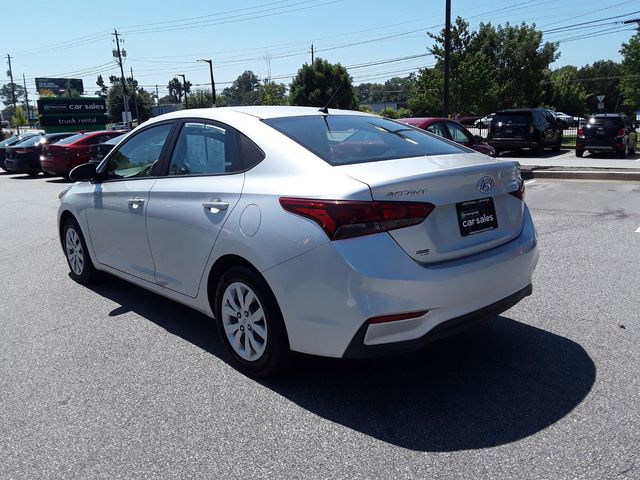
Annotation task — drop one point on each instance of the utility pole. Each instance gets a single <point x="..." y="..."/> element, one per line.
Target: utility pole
<point x="157" y="96"/>
<point x="184" y="87"/>
<point x="13" y="89"/>
<point x="213" y="83"/>
<point x="26" y="99"/>
<point x="118" y="53"/>
<point x="312" y="54"/>
<point x="447" y="59"/>
<point x="133" y="95"/>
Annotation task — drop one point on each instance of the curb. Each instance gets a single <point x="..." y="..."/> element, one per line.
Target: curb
<point x="631" y="175"/>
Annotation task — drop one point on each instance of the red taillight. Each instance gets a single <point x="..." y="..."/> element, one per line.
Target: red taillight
<point x="581" y="132"/>
<point x="351" y="218"/>
<point x="519" y="193"/>
<point x="621" y="132"/>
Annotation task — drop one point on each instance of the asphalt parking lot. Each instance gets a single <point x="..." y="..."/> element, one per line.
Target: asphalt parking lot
<point x="115" y="382"/>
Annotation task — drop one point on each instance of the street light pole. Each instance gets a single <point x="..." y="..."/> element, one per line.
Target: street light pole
<point x="447" y="57"/>
<point x="184" y="87"/>
<point x="213" y="83"/>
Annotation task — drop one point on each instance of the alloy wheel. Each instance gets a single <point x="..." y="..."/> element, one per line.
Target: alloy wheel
<point x="244" y="321"/>
<point x="75" y="253"/>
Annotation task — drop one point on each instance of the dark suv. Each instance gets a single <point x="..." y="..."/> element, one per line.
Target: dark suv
<point x="607" y="132"/>
<point x="532" y="128"/>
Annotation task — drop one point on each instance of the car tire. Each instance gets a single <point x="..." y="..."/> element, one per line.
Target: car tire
<point x="81" y="267"/>
<point x="497" y="151"/>
<point x="558" y="145"/>
<point x="579" y="153"/>
<point x="250" y="323"/>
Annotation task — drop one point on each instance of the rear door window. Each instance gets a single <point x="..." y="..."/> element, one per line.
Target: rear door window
<point x="458" y="134"/>
<point x="437" y="129"/>
<point x="347" y="139"/>
<point x="607" y="121"/>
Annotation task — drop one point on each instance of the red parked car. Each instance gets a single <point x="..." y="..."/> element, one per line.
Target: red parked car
<point x="62" y="157"/>
<point x="451" y="130"/>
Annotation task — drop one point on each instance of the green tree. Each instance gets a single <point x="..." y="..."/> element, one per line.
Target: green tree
<point x="177" y="88"/>
<point x="200" y="99"/>
<point x="567" y="94"/>
<point x="6" y="94"/>
<point x="19" y="118"/>
<point x="103" y="90"/>
<point x="630" y="83"/>
<point x="425" y="98"/>
<point x="272" y="93"/>
<point x="602" y="78"/>
<point x="388" y="112"/>
<point x="322" y="84"/>
<point x="168" y="99"/>
<point x="245" y="90"/>
<point x="138" y="97"/>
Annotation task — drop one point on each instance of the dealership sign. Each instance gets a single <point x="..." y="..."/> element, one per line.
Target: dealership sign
<point x="60" y="85"/>
<point x="57" y="106"/>
<point x="61" y="113"/>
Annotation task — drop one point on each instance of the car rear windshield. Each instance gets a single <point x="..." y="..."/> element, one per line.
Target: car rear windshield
<point x="346" y="139"/>
<point x="71" y="139"/>
<point x="512" y="117"/>
<point x="29" y="142"/>
<point x="607" y="121"/>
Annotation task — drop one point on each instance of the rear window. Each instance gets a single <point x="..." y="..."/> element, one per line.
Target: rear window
<point x="29" y="142"/>
<point x="346" y="139"/>
<point x="512" y="117"/>
<point x="607" y="121"/>
<point x="71" y="139"/>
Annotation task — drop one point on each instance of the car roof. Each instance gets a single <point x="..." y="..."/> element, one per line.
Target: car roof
<point x="422" y="121"/>
<point x="258" y="111"/>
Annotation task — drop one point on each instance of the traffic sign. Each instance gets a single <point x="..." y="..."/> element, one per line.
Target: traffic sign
<point x="600" y="98"/>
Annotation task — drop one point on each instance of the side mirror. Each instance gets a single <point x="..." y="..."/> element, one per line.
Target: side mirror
<point x="477" y="139"/>
<point x="84" y="173"/>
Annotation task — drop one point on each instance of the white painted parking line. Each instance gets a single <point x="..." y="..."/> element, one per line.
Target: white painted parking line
<point x="638" y="230"/>
<point x="529" y="182"/>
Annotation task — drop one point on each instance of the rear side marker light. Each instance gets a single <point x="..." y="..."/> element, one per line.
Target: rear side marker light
<point x="396" y="317"/>
<point x="342" y="219"/>
<point x="621" y="132"/>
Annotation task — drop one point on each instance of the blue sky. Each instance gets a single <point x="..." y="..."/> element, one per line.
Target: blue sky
<point x="375" y="39"/>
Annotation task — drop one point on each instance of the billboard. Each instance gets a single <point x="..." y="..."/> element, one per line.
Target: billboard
<point x="59" y="85"/>
<point x="67" y="114"/>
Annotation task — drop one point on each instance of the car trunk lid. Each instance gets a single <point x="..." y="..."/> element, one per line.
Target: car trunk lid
<point x="474" y="208"/>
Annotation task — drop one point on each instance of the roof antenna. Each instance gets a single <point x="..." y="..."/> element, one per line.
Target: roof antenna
<point x="325" y="109"/>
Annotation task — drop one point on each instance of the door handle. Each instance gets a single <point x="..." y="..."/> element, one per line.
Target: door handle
<point x="215" y="206"/>
<point x="136" y="202"/>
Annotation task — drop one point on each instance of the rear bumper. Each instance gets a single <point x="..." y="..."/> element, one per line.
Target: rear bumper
<point x="510" y="143"/>
<point x="614" y="145"/>
<point x="22" y="165"/>
<point x="359" y="349"/>
<point x="56" y="167"/>
<point x="327" y="312"/>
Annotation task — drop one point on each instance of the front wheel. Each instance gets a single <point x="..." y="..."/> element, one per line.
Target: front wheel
<point x="250" y="323"/>
<point x="75" y="249"/>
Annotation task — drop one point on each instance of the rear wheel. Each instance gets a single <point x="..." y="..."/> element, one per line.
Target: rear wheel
<point x="75" y="249"/>
<point x="250" y="323"/>
<point x="579" y="153"/>
<point x="540" y="147"/>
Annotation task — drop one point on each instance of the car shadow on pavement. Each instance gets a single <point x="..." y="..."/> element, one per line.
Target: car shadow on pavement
<point x="532" y="154"/>
<point x="489" y="386"/>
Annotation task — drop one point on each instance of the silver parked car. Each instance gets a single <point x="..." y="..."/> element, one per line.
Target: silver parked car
<point x="328" y="232"/>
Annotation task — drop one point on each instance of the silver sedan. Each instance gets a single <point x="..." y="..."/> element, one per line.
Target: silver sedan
<point x="328" y="232"/>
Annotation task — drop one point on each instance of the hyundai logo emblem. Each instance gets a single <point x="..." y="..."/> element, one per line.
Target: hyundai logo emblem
<point x="486" y="184"/>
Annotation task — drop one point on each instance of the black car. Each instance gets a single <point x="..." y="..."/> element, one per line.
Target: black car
<point x="607" y="132"/>
<point x="532" y="128"/>
<point x="99" y="150"/>
<point x="12" y="141"/>
<point x="24" y="157"/>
